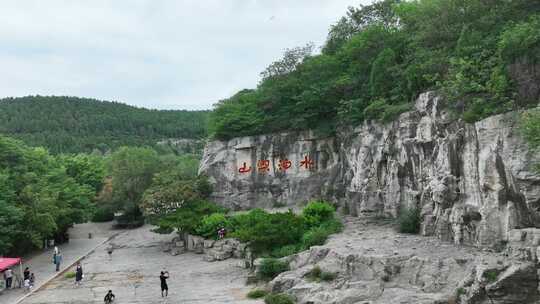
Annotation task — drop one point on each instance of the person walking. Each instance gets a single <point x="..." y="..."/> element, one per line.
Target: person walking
<point x="164" y="287"/>
<point x="8" y="277"/>
<point x="109" y="297"/>
<point x="55" y="252"/>
<point x="78" y="274"/>
<point x="58" y="260"/>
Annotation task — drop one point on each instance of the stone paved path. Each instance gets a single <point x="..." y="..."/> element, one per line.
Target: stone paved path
<point x="133" y="275"/>
<point x="41" y="263"/>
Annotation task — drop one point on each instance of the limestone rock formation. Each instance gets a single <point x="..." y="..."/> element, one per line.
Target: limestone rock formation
<point x="372" y="264"/>
<point x="474" y="183"/>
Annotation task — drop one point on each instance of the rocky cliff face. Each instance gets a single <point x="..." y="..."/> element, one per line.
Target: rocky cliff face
<point x="473" y="182"/>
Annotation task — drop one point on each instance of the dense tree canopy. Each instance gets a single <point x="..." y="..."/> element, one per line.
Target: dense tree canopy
<point x="378" y="58"/>
<point x="41" y="195"/>
<point x="72" y="125"/>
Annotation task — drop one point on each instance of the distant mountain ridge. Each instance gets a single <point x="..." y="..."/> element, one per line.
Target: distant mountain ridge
<point x="66" y="124"/>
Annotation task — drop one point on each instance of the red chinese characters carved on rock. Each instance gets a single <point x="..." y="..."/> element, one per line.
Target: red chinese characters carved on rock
<point x="284" y="164"/>
<point x="263" y="165"/>
<point x="244" y="168"/>
<point x="307" y="163"/>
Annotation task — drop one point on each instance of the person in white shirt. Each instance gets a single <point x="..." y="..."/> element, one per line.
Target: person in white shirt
<point x="8" y="276"/>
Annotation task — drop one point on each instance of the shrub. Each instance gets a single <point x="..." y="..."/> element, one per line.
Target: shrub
<point x="103" y="214"/>
<point x="332" y="226"/>
<point x="316" y="274"/>
<point x="317" y="236"/>
<point x="189" y="216"/>
<point x="211" y="223"/>
<point x="279" y="298"/>
<point x="257" y="294"/>
<point x="328" y="276"/>
<point x="267" y="231"/>
<point x="491" y="275"/>
<point x="271" y="268"/>
<point x="520" y="40"/>
<point x="132" y="217"/>
<point x="380" y="109"/>
<point x="284" y="251"/>
<point x="409" y="220"/>
<point x="69" y="275"/>
<point x="391" y="112"/>
<point x="314" y="237"/>
<point x="318" y="212"/>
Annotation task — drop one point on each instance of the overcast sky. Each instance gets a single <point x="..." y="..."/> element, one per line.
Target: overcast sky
<point x="165" y="54"/>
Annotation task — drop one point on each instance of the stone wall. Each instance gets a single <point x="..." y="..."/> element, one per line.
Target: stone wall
<point x="473" y="182"/>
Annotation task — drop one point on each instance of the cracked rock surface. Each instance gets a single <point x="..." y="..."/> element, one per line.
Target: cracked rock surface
<point x="376" y="265"/>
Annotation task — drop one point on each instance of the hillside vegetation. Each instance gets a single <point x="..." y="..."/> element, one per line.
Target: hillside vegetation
<point x="42" y="195"/>
<point x="71" y="124"/>
<point x="378" y="58"/>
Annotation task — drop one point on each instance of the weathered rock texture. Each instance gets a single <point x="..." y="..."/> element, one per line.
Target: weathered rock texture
<point x="213" y="250"/>
<point x="372" y="264"/>
<point x="473" y="182"/>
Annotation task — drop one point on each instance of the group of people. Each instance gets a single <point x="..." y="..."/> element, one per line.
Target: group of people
<point x="28" y="279"/>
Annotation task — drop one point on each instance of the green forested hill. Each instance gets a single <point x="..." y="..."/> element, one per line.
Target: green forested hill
<point x="71" y="124"/>
<point x="483" y="56"/>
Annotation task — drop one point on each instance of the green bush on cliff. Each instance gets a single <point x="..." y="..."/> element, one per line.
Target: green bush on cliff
<point x="257" y="294"/>
<point x="279" y="298"/>
<point x="271" y="268"/>
<point x="283" y="234"/>
<point x="265" y="231"/>
<point x="211" y="223"/>
<point x="267" y="234"/>
<point x="317" y="212"/>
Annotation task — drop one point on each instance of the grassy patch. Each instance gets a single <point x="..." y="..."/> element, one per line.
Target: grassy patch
<point x="69" y="275"/>
<point x="328" y="276"/>
<point x="279" y="298"/>
<point x="257" y="294"/>
<point x="317" y="275"/>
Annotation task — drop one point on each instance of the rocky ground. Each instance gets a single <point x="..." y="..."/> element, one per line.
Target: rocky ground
<point x="133" y="275"/>
<point x="376" y="265"/>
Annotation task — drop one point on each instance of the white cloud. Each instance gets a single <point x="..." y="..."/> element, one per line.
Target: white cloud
<point x="157" y="54"/>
